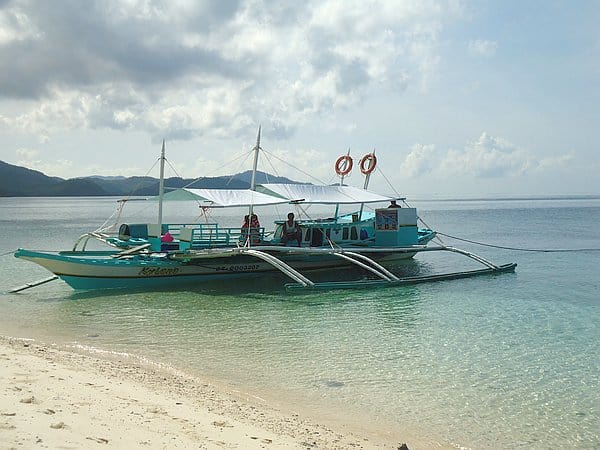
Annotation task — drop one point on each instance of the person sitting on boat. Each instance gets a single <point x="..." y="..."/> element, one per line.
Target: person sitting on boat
<point x="244" y="231"/>
<point x="393" y="204"/>
<point x="291" y="231"/>
<point x="254" y="229"/>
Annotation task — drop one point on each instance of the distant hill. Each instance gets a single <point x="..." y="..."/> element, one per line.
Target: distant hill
<point x="16" y="181"/>
<point x="261" y="178"/>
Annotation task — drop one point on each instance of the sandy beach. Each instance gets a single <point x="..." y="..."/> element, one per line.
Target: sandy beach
<point x="51" y="398"/>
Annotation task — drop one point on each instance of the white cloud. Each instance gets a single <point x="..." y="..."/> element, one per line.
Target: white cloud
<point x="65" y="110"/>
<point x="183" y="69"/>
<point x="487" y="157"/>
<point x="15" y="26"/>
<point x="420" y="161"/>
<point x="482" y="47"/>
<point x="60" y="167"/>
<point x="27" y="153"/>
<point x="556" y="162"/>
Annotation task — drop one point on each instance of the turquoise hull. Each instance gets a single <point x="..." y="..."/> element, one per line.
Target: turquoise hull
<point x="101" y="270"/>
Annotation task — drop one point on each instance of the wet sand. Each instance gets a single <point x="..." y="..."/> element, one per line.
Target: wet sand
<point x="58" y="399"/>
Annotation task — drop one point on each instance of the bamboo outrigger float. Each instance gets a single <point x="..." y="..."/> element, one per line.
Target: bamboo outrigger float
<point x="163" y="255"/>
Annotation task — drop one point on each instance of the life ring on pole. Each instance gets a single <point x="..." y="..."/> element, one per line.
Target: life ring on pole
<point x="368" y="163"/>
<point x="343" y="165"/>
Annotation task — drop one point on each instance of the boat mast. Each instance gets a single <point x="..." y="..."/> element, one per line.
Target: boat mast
<point x="337" y="206"/>
<point x="368" y="176"/>
<point x="255" y="165"/>
<point x="365" y="186"/>
<point x="161" y="186"/>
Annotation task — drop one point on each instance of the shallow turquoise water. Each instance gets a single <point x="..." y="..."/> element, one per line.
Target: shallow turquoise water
<point x="505" y="361"/>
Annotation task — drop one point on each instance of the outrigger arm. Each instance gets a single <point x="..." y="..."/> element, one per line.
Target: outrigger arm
<point x="477" y="258"/>
<point x="357" y="257"/>
<point x="388" y="278"/>
<point x="280" y="265"/>
<point x="375" y="267"/>
<point x="372" y="266"/>
<point x="352" y="257"/>
<point x="33" y="284"/>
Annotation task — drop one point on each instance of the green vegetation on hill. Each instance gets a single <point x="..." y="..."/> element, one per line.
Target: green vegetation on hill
<point x="16" y="181"/>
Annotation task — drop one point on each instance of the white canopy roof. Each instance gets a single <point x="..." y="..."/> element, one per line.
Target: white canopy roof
<point x="225" y="197"/>
<point x="276" y="194"/>
<point x="324" y="195"/>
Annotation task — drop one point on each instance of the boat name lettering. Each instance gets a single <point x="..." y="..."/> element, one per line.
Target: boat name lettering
<point x="238" y="268"/>
<point x="159" y="271"/>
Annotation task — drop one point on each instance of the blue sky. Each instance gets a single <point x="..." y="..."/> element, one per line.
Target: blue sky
<point x="457" y="98"/>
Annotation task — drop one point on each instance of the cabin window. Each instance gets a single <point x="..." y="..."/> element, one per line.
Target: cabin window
<point x="345" y="233"/>
<point x="328" y="233"/>
<point x="307" y="237"/>
<point x="353" y="233"/>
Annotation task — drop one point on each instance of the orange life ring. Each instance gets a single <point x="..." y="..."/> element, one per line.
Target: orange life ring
<point x="343" y="165"/>
<point x="371" y="159"/>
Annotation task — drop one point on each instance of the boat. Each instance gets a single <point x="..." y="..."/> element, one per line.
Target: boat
<point x="162" y="255"/>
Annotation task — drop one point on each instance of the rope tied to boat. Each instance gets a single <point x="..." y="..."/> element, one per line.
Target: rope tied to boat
<point x="521" y="249"/>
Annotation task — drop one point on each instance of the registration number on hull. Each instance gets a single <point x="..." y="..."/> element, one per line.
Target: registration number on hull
<point x="238" y="268"/>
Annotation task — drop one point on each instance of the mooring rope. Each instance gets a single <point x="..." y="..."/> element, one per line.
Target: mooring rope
<point x="520" y="249"/>
<point x="10" y="252"/>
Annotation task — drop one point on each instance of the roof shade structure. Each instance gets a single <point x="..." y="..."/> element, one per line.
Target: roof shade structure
<point x="324" y="195"/>
<point x="278" y="194"/>
<point x="225" y="198"/>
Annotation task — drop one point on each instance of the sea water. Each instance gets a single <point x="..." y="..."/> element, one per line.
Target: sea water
<point x="507" y="361"/>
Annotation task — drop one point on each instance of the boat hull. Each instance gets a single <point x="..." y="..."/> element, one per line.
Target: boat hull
<point x="102" y="270"/>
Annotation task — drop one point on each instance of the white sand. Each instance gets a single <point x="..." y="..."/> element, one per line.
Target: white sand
<point x="51" y="398"/>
